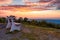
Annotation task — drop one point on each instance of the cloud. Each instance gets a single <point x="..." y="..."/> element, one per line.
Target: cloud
<point x="54" y="4"/>
<point x="44" y="4"/>
<point x="3" y="2"/>
<point x="58" y="4"/>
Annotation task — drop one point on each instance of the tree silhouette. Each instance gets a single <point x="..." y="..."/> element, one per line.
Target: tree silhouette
<point x="25" y="19"/>
<point x="20" y="20"/>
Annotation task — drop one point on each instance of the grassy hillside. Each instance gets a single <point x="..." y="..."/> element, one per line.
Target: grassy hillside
<point x="40" y="33"/>
<point x="30" y="32"/>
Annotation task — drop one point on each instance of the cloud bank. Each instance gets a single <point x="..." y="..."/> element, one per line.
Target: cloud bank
<point x="42" y="4"/>
<point x="46" y="4"/>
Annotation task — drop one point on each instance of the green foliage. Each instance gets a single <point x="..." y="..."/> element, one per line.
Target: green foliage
<point x="34" y="22"/>
<point x="2" y="20"/>
<point x="41" y="23"/>
<point x="57" y="26"/>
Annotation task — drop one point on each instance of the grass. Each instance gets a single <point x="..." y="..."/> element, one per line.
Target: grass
<point x="36" y="32"/>
<point x="28" y="36"/>
<point x="43" y="28"/>
<point x="14" y="32"/>
<point x="14" y="39"/>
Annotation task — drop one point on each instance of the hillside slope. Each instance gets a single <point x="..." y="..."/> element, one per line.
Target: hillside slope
<point x="30" y="32"/>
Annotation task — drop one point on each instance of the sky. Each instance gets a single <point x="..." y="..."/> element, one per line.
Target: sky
<point x="44" y="9"/>
<point x="51" y="14"/>
<point x="52" y="4"/>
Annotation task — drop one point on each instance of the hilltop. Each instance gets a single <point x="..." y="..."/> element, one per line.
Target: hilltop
<point x="30" y="32"/>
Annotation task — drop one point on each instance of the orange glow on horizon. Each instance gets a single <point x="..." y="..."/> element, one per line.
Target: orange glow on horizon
<point x="29" y="12"/>
<point x="46" y="14"/>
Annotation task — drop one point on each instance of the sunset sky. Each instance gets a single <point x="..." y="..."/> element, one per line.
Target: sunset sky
<point x="44" y="9"/>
